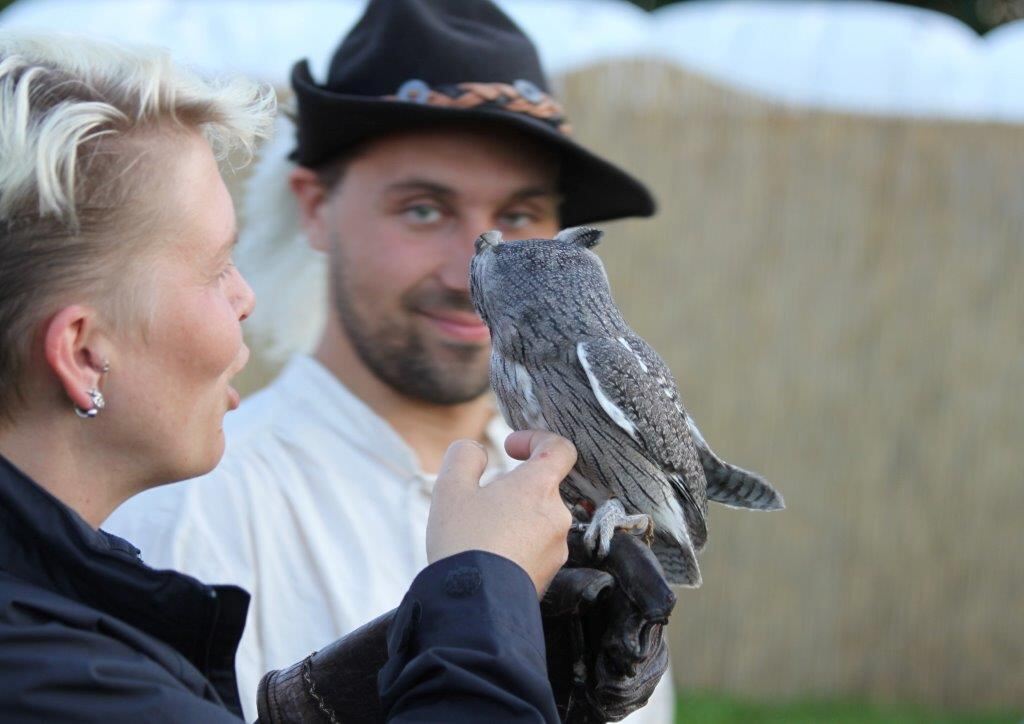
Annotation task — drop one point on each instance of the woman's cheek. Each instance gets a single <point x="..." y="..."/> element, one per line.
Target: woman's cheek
<point x="217" y="336"/>
<point x="230" y="335"/>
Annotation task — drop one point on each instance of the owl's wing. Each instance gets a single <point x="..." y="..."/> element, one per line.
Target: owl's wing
<point x="726" y="483"/>
<point x="635" y="389"/>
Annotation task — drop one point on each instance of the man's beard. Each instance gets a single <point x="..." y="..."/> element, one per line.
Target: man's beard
<point x="398" y="354"/>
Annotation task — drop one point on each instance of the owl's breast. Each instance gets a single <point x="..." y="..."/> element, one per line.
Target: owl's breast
<point x="517" y="395"/>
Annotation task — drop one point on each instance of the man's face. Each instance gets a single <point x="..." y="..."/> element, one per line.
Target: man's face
<point x="399" y="231"/>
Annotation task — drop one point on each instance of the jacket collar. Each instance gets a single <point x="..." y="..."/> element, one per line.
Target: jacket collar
<point x="45" y="543"/>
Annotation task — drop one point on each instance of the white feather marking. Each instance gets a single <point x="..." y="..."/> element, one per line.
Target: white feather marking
<point x="610" y="408"/>
<point x="281" y="267"/>
<point x="639" y="361"/>
<point x="532" y="412"/>
<point x="671" y="518"/>
<point x="695" y="432"/>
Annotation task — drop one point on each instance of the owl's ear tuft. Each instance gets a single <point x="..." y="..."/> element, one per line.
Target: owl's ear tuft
<point x="585" y="236"/>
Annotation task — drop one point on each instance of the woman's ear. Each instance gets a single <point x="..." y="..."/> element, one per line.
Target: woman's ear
<point x="310" y="196"/>
<point x="71" y="344"/>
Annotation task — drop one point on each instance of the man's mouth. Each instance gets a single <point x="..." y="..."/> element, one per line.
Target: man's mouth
<point x="463" y="326"/>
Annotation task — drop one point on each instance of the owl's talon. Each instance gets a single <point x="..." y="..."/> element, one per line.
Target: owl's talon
<point x="607" y="519"/>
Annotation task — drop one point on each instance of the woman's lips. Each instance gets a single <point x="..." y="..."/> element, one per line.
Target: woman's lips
<point x="234" y="399"/>
<point x="462" y="326"/>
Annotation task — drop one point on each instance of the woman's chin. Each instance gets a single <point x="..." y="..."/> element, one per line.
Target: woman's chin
<point x="209" y="457"/>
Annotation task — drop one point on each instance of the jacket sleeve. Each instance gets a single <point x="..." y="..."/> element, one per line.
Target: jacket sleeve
<point x="50" y="673"/>
<point x="467" y="646"/>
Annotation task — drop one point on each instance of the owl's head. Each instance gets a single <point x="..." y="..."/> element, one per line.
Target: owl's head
<point x="540" y="292"/>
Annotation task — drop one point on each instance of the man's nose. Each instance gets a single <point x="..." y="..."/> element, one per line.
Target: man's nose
<point x="461" y="249"/>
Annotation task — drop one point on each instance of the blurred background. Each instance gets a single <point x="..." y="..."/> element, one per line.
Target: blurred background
<point x="835" y="278"/>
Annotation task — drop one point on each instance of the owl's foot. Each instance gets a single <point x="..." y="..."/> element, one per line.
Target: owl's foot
<point x="607" y="519"/>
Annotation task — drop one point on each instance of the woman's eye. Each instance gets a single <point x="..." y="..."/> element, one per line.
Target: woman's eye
<point x="227" y="270"/>
<point x="422" y="214"/>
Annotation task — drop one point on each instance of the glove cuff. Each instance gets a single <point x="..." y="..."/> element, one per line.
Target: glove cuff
<point x="338" y="683"/>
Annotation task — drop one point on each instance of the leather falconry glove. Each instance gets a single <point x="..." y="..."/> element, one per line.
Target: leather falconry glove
<point x="604" y="630"/>
<point x="336" y="684"/>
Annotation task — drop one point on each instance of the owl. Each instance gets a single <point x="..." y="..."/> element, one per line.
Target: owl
<point x="564" y="359"/>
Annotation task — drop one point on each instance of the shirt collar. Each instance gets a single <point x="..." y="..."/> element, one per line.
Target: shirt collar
<point x="327" y="402"/>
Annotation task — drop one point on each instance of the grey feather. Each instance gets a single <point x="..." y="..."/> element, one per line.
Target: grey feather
<point x="638" y="390"/>
<point x="565" y="360"/>
<point x="732" y="485"/>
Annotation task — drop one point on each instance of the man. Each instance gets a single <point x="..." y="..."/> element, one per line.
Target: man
<point x="433" y="126"/>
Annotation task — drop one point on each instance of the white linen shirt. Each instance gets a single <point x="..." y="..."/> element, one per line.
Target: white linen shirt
<point x="318" y="509"/>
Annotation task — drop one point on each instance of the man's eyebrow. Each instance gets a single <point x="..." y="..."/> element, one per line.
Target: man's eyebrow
<point x="534" y="191"/>
<point x="425" y="185"/>
<point x="433" y="187"/>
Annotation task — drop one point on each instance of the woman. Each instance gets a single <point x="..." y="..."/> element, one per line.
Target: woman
<point x="120" y="313"/>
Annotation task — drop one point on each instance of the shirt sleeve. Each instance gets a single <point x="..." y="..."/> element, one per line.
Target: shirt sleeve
<point x="467" y="645"/>
<point x="52" y="673"/>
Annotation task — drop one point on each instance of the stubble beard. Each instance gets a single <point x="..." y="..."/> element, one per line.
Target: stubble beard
<point x="399" y="353"/>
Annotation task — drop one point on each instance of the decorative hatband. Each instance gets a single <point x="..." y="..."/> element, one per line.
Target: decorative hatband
<point x="521" y="96"/>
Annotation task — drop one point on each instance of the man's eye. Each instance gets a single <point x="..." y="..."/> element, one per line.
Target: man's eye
<point x="422" y="214"/>
<point x="516" y="220"/>
<point x="227" y="270"/>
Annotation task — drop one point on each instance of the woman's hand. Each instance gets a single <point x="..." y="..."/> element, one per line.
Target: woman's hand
<point x="519" y="515"/>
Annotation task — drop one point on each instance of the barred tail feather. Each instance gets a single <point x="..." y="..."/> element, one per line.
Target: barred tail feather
<point x="736" y="487"/>
<point x="731" y="485"/>
<point x="677" y="560"/>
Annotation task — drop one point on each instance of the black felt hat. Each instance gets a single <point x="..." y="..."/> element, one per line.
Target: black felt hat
<point x="409" y="64"/>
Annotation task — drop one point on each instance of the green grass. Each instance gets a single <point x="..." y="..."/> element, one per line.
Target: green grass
<point x="707" y="708"/>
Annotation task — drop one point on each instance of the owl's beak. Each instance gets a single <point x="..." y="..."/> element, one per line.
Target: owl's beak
<point x="487" y="240"/>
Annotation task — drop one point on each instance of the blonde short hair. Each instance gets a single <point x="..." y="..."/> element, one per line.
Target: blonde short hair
<point x="72" y="114"/>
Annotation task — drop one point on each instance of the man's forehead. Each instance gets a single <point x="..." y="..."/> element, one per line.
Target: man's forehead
<point x="445" y="155"/>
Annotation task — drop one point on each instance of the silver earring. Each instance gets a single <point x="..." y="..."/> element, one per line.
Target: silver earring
<point x="98" y="403"/>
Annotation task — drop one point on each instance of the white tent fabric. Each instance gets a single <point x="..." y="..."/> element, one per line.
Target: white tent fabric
<point x="855" y="55"/>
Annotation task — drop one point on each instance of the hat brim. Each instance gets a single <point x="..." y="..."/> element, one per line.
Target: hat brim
<point x="331" y="123"/>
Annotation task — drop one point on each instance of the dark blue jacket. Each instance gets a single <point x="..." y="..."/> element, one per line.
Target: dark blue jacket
<point x="90" y="633"/>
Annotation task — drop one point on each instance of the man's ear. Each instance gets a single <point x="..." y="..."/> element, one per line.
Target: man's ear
<point x="71" y="344"/>
<point x="310" y="195"/>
